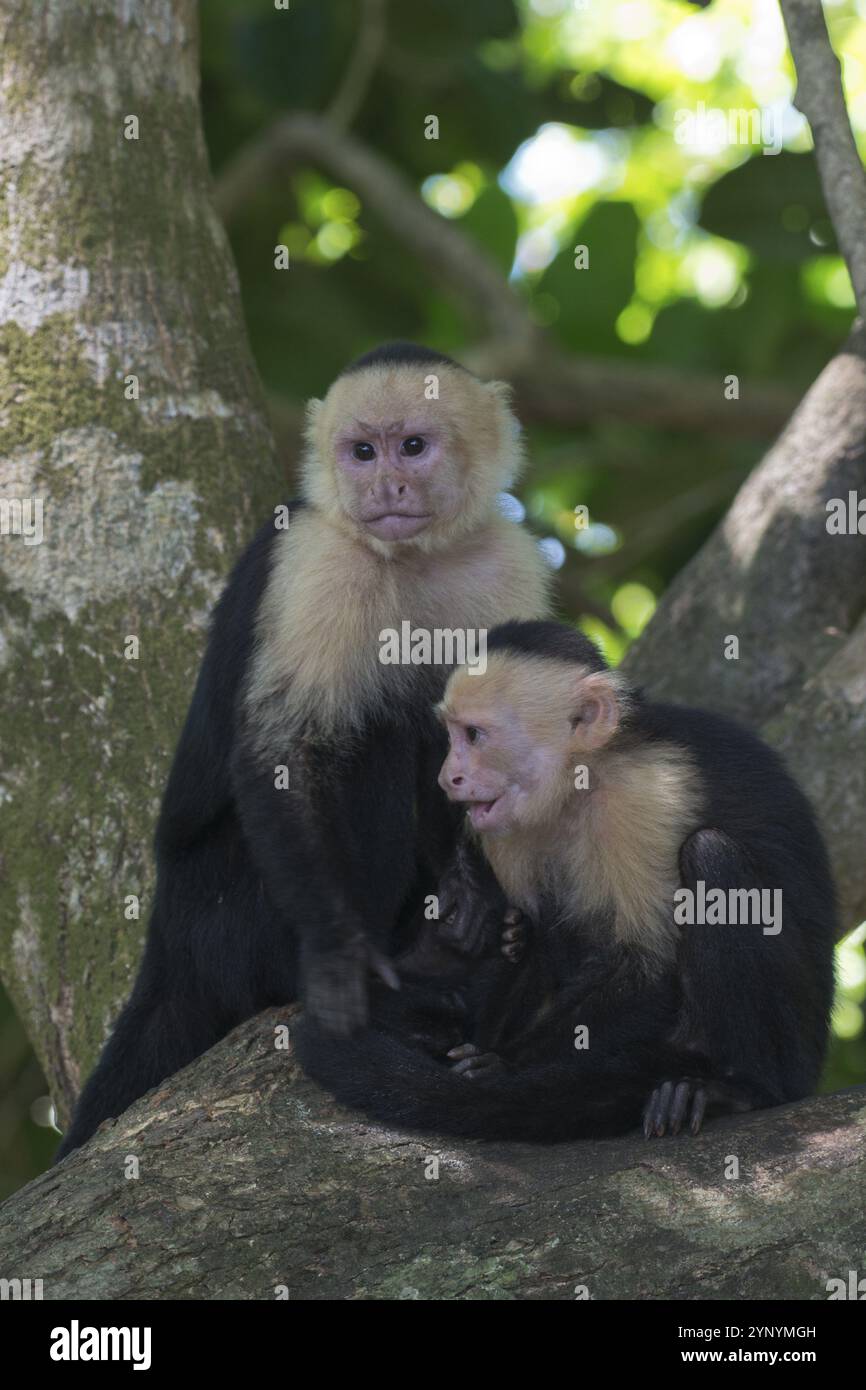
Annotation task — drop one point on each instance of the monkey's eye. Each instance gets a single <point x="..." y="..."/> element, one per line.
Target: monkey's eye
<point x="363" y="452"/>
<point x="413" y="445"/>
<point x="472" y="733"/>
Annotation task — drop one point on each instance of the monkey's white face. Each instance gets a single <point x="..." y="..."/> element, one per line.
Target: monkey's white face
<point x="498" y="772"/>
<point x="410" y="456"/>
<point x="516" y="731"/>
<point x="394" y="478"/>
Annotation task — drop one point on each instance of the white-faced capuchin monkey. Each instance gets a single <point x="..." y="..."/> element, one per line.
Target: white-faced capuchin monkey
<point x="302" y="821"/>
<point x="680" y="954"/>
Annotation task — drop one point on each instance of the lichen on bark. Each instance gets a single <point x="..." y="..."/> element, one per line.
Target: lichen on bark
<point x="112" y="264"/>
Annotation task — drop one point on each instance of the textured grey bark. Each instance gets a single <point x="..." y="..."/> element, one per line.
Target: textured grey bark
<point x="112" y="263"/>
<point x="250" y="1181"/>
<point x="794" y="596"/>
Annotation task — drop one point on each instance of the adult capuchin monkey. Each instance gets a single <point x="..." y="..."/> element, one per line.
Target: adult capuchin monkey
<point x="627" y="833"/>
<point x="302" y="819"/>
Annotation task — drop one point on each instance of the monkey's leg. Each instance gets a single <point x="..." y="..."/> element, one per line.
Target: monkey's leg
<point x="740" y="986"/>
<point x="293" y="843"/>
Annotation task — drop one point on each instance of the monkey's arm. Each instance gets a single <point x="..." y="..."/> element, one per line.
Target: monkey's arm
<point x="290" y="833"/>
<point x="199" y="789"/>
<point x="734" y="981"/>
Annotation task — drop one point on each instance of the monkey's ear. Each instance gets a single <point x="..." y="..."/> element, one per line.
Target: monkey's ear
<point x="509" y="446"/>
<point x="503" y="395"/>
<point x="313" y="411"/>
<point x="597" y="710"/>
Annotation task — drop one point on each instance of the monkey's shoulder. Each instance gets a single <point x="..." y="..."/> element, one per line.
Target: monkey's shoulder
<point x="730" y="759"/>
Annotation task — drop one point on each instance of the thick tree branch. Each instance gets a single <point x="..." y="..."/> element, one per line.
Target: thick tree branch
<point x="772" y="576"/>
<point x="569" y="391"/>
<point x="437" y="244"/>
<point x="249" y="1179"/>
<point x="822" y="101"/>
<point x="551" y="386"/>
<point x="822" y="734"/>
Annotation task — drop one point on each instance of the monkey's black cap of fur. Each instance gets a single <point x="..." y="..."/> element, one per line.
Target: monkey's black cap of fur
<point x="399" y="354"/>
<point x="554" y="641"/>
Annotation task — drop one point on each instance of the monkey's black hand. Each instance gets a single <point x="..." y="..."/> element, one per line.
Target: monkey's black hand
<point x="672" y="1104"/>
<point x="336" y="985"/>
<point x="471" y="1062"/>
<point x="515" y="935"/>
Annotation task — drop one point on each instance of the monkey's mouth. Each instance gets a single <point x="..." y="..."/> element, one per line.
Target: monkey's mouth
<point x="397" y="526"/>
<point x="480" y="812"/>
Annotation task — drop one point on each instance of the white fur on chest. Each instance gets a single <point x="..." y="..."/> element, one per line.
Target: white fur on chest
<point x="614" y="858"/>
<point x="329" y="599"/>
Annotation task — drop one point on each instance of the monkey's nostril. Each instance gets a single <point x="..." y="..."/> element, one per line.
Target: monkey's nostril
<point x="457" y="781"/>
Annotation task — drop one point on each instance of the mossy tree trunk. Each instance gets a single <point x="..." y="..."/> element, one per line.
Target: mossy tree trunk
<point x="130" y="412"/>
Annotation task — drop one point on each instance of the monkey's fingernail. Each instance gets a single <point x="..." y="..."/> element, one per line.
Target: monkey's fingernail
<point x="386" y="972"/>
<point x="698" y="1110"/>
<point x="465" y="1067"/>
<point x="679" y="1105"/>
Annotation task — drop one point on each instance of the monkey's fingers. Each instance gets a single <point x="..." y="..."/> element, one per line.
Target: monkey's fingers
<point x="679" y="1105"/>
<point x="513" y="942"/>
<point x="670" y="1103"/>
<point x="483" y="1064"/>
<point x="515" y="935"/>
<point x="698" y="1109"/>
<point x="655" y="1116"/>
<point x="464" y="1050"/>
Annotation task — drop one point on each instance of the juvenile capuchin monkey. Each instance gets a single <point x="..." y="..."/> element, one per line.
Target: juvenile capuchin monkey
<point x="302" y="821"/>
<point x="626" y="833"/>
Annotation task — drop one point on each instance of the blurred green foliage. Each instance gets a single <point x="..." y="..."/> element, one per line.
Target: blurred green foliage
<point x="559" y="126"/>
